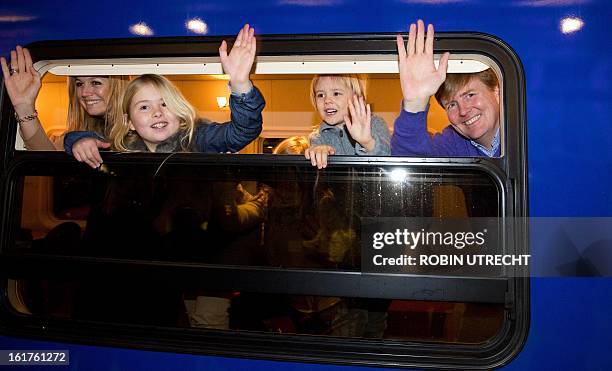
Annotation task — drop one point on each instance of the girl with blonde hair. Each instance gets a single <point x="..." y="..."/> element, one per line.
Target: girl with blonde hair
<point x="156" y="117"/>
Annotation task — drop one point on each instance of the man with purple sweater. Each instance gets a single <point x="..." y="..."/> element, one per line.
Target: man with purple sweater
<point x="471" y="102"/>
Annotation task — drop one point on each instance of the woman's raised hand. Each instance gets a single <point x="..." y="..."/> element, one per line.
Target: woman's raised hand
<point x="240" y="60"/>
<point x="22" y="81"/>
<point x="419" y="77"/>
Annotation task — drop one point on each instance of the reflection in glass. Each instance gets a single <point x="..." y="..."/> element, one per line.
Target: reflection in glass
<point x="274" y="216"/>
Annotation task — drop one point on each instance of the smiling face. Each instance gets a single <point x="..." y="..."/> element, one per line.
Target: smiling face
<point x="93" y="94"/>
<point x="474" y="111"/>
<point x="331" y="97"/>
<point x="151" y="118"/>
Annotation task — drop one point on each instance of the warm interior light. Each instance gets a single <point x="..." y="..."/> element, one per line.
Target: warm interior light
<point x="571" y="24"/>
<point x="196" y="25"/>
<point x="265" y="65"/>
<point x="141" y="29"/>
<point x="222" y="102"/>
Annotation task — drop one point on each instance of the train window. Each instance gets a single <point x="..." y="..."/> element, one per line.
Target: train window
<point x="238" y="253"/>
<point x="288" y="109"/>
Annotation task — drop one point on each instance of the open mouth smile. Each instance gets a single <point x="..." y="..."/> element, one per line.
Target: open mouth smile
<point x="159" y="125"/>
<point x="472" y="120"/>
<point x="91" y="102"/>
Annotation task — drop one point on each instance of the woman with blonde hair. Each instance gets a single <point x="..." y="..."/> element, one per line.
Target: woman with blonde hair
<point x="94" y="101"/>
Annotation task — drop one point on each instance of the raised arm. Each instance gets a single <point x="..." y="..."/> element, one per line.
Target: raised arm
<point x="419" y="77"/>
<point x="246" y="101"/>
<point x="240" y="60"/>
<point x="23" y="84"/>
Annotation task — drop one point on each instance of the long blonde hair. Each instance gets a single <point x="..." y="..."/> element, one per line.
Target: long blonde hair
<point x="79" y="119"/>
<point x="121" y="137"/>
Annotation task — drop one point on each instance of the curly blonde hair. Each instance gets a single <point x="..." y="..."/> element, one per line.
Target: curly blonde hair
<point x="295" y="145"/>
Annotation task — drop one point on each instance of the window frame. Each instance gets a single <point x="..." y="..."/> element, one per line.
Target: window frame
<point x="509" y="172"/>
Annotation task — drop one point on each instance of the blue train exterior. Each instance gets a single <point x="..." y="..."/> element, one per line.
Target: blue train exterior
<point x="569" y="136"/>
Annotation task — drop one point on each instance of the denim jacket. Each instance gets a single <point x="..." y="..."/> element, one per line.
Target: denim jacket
<point x="244" y="127"/>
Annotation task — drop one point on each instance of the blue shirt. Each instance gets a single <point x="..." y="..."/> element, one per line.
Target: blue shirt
<point x="494" y="146"/>
<point x="410" y="138"/>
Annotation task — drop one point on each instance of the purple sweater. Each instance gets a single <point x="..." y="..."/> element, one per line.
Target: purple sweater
<point x="410" y="138"/>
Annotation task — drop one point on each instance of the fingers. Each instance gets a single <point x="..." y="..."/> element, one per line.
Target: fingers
<point x="91" y="156"/>
<point x="429" y="40"/>
<point x="420" y="39"/>
<point x="443" y="66"/>
<point x="252" y="44"/>
<point x="411" y="39"/>
<point x="20" y="59"/>
<point x="347" y="119"/>
<point x="28" y="60"/>
<point x="356" y="112"/>
<point x="86" y="150"/>
<point x="94" y="155"/>
<point x="223" y="53"/>
<point x="82" y="156"/>
<point x="401" y="48"/>
<point x="5" y="70"/>
<point x="239" y="39"/>
<point x="248" y="41"/>
<point x="14" y="60"/>
<point x="358" y="107"/>
<point x="348" y="123"/>
<point x="321" y="159"/>
<point x="101" y="144"/>
<point x="311" y="154"/>
<point x="359" y="115"/>
<point x="318" y="155"/>
<point x="246" y="38"/>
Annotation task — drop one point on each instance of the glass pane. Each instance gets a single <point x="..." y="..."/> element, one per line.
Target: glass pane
<point x="137" y="302"/>
<point x="275" y="216"/>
